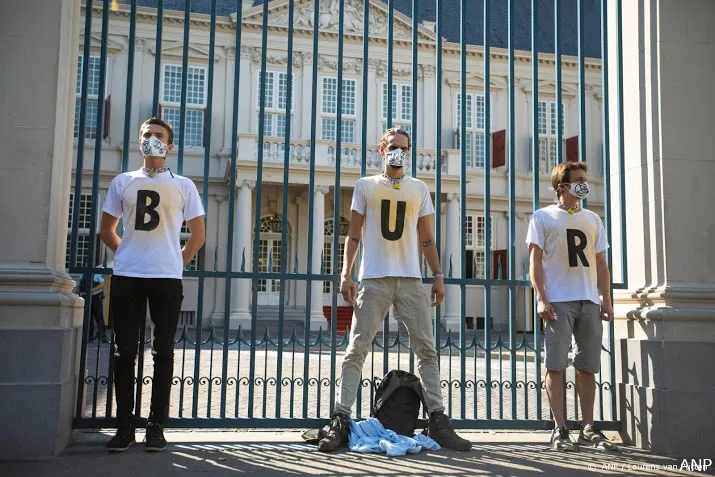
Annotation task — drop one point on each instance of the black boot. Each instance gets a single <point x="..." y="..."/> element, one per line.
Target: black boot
<point x="337" y="435"/>
<point x="440" y="429"/>
<point x="123" y="439"/>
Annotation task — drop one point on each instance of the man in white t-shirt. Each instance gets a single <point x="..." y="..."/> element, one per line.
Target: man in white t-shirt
<point x="391" y="212"/>
<point x="153" y="203"/>
<point x="570" y="275"/>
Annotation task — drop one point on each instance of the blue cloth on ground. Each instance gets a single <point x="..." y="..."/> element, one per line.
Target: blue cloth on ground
<point x="371" y="436"/>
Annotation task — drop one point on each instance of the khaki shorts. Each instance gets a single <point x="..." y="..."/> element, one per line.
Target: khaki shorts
<point x="582" y="319"/>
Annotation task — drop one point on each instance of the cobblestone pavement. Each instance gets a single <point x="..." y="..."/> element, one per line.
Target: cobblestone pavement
<point x="320" y="375"/>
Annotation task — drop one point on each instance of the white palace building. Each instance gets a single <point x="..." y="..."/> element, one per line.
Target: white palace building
<point x="403" y="98"/>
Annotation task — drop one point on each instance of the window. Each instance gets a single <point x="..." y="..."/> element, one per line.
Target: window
<point x="474" y="132"/>
<point x="547" y="134"/>
<point x="170" y="108"/>
<point x="474" y="241"/>
<point x="401" y="107"/>
<point x="328" y="249"/>
<point x="276" y="101"/>
<point x="329" y="111"/>
<point x="83" y="223"/>
<point x="184" y="237"/>
<point x="92" y="108"/>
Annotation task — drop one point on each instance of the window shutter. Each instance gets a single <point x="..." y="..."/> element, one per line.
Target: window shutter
<point x="499" y="148"/>
<point x="572" y="149"/>
<point x="499" y="267"/>
<point x="107" y="115"/>
<point x="158" y="113"/>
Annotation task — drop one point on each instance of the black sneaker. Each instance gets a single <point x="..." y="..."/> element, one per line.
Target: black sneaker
<point x="154" y="440"/>
<point x="337" y="436"/>
<point x="123" y="439"/>
<point x="440" y="429"/>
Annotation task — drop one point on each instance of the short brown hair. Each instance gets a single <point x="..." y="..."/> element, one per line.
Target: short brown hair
<point x="392" y="132"/>
<point x="562" y="173"/>
<point x="162" y="123"/>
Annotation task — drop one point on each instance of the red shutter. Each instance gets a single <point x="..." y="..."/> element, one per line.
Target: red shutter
<point x="572" y="149"/>
<point x="500" y="261"/>
<point x="107" y="115"/>
<point x="499" y="148"/>
<point x="205" y="123"/>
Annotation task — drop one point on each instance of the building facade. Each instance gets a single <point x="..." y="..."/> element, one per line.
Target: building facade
<point x="406" y="102"/>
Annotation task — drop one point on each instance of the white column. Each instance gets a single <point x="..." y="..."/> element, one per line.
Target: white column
<point x="306" y="94"/>
<point x="316" y="289"/>
<point x="242" y="231"/>
<point x="664" y="330"/>
<point x="430" y="102"/>
<point x="452" y="298"/>
<point x="36" y="302"/>
<point x="222" y="236"/>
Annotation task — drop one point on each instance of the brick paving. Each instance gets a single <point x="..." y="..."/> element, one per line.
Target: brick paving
<point x="318" y="399"/>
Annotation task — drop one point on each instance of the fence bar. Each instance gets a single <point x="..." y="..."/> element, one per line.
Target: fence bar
<point x="487" y="211"/>
<point x="415" y="50"/>
<point x="536" y="173"/>
<point x="512" y="214"/>
<point x="438" y="168"/>
<point x="129" y="88"/>
<point x="581" y="87"/>
<point x="463" y="206"/>
<point x="284" y="213"/>
<point x="80" y="142"/>
<point x="184" y="85"/>
<point x="157" y="60"/>
<point x="559" y="100"/>
<point x="311" y="200"/>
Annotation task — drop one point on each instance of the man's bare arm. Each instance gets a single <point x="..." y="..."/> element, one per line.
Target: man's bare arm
<point x="197" y="227"/>
<point x="536" y="271"/>
<point x="427" y="243"/>
<point x="107" y="231"/>
<point x="352" y="242"/>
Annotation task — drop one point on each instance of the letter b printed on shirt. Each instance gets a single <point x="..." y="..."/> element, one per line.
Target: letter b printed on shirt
<point x="145" y="208"/>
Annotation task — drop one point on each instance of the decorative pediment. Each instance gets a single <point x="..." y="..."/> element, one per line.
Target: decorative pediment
<point x="476" y="81"/>
<point x="175" y="49"/>
<point x="95" y="44"/>
<point x="329" y="16"/>
<point x="254" y="53"/>
<point x="548" y="87"/>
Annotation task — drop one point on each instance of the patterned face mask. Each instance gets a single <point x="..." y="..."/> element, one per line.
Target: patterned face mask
<point x="153" y="147"/>
<point x="580" y="190"/>
<point x="396" y="158"/>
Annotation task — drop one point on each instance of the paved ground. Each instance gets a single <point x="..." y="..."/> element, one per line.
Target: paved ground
<point x="292" y="383"/>
<point x="285" y="454"/>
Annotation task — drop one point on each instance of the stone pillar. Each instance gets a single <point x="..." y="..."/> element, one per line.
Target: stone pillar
<point x="452" y="243"/>
<point x="665" y="321"/>
<point x="222" y="236"/>
<point x="429" y="99"/>
<point x="316" y="288"/>
<point x="242" y="253"/>
<point x="41" y="325"/>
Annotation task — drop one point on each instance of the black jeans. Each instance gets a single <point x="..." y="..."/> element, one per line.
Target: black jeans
<point x="128" y="300"/>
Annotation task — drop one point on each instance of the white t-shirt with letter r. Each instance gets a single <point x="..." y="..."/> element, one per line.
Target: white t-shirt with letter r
<point x="570" y="243"/>
<point x="390" y="238"/>
<point x="152" y="212"/>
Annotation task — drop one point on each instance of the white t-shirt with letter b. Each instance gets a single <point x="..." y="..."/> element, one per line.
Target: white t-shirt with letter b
<point x="390" y="238"/>
<point x="152" y="212"/>
<point x="570" y="243"/>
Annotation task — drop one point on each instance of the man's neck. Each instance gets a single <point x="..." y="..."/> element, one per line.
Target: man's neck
<point x="568" y="202"/>
<point x="154" y="162"/>
<point x="394" y="172"/>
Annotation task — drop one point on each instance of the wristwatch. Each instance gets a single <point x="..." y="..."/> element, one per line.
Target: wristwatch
<point x="437" y="274"/>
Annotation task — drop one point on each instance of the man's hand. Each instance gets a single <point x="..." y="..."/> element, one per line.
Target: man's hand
<point x="545" y="310"/>
<point x="348" y="290"/>
<point x="437" y="291"/>
<point x="606" y="312"/>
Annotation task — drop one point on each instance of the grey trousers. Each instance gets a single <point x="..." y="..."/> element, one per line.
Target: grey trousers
<point x="375" y="296"/>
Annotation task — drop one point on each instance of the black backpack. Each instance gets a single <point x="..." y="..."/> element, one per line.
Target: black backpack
<point x="397" y="402"/>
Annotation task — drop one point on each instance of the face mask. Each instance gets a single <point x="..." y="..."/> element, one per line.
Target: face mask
<point x="152" y="146"/>
<point x="396" y="158"/>
<point x="580" y="190"/>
